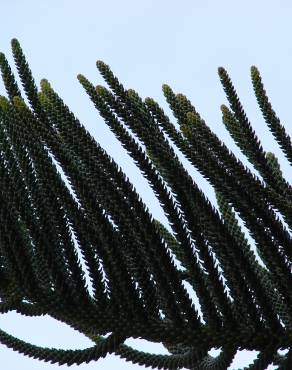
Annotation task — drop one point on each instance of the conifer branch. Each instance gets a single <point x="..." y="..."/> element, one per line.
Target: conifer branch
<point x="137" y="291"/>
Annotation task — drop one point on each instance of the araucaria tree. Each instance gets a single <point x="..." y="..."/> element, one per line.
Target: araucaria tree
<point x="244" y="300"/>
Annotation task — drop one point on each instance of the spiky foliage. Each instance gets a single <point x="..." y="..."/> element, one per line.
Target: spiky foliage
<point x="243" y="304"/>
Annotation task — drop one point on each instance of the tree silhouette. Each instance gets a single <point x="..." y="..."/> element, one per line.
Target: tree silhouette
<point x="137" y="290"/>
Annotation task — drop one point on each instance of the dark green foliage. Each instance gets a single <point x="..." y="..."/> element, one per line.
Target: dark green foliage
<point x="243" y="304"/>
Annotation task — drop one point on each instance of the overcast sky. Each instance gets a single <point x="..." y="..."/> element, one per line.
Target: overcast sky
<point x="148" y="43"/>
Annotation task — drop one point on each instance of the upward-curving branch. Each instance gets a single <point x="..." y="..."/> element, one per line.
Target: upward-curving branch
<point x="137" y="289"/>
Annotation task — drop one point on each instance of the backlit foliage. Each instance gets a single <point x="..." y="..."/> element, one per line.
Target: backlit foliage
<point x="141" y="294"/>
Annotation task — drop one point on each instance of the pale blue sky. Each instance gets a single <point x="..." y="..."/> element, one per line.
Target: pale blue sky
<point x="148" y="43"/>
